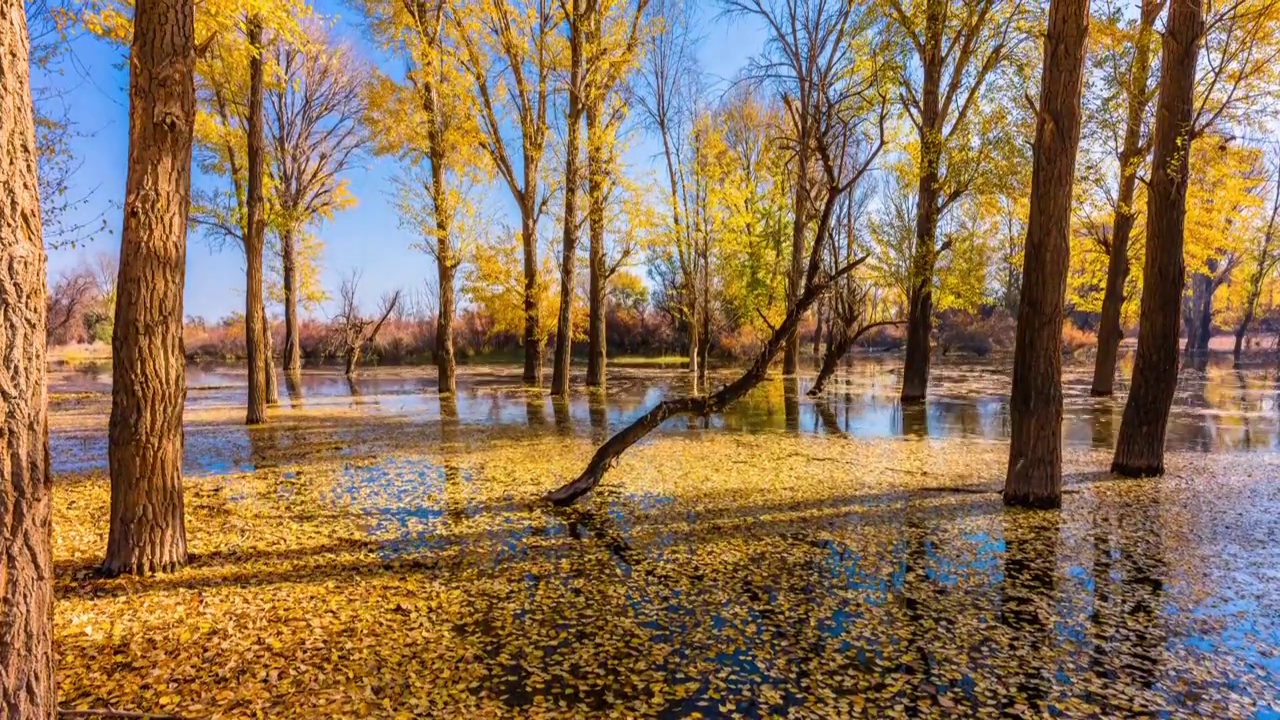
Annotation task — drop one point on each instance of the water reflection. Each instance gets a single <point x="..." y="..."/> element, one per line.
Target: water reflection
<point x="1222" y="409"/>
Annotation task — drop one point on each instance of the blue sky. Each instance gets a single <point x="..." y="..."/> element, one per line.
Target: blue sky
<point x="367" y="237"/>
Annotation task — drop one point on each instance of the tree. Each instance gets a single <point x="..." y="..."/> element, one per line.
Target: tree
<point x="1265" y="257"/>
<point x="835" y="84"/>
<point x="955" y="51"/>
<point x="315" y="133"/>
<point x="255" y="233"/>
<point x="148" y="388"/>
<point x="613" y="39"/>
<point x="355" y="331"/>
<point x="507" y="50"/>
<point x="430" y="121"/>
<point x="26" y="592"/>
<point x="1133" y="82"/>
<point x="1140" y="445"/>
<point x="668" y="84"/>
<point x="1034" y="476"/>
<point x="579" y="17"/>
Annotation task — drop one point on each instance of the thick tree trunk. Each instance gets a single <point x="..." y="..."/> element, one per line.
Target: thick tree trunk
<point x="255" y="237"/>
<point x="289" y="261"/>
<point x="1140" y="446"/>
<point x="564" y="326"/>
<point x="352" y="360"/>
<point x="595" y="217"/>
<point x="1034" y="477"/>
<point x="915" y="369"/>
<point x="1109" y="331"/>
<point x="27" y="685"/>
<point x="145" y="435"/>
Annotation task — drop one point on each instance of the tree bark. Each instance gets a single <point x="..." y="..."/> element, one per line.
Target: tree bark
<point x="255" y="238"/>
<point x="27" y="684"/>
<point x="292" y="345"/>
<point x="446" y="368"/>
<point x="795" y="276"/>
<point x="1140" y="445"/>
<point x="532" y="376"/>
<point x="1109" y="331"/>
<point x="269" y="355"/>
<point x="696" y="405"/>
<point x="595" y="218"/>
<point x="1034" y="477"/>
<point x="564" y="325"/>
<point x="839" y="345"/>
<point x="915" y="369"/>
<point x="145" y="434"/>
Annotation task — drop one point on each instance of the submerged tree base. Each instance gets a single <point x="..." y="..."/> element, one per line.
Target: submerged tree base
<point x="1137" y="471"/>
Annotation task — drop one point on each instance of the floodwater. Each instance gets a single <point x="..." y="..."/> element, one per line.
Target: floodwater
<point x="1220" y="409"/>
<point x="831" y="557"/>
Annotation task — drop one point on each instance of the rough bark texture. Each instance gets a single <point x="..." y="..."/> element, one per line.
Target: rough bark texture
<point x="147" y="531"/>
<point x="915" y="369"/>
<point x="255" y="238"/>
<point x="569" y="249"/>
<point x="1140" y="445"/>
<point x="1034" y="477"/>
<point x="292" y="346"/>
<point x="595" y="219"/>
<point x="1109" y="331"/>
<point x="27" y="688"/>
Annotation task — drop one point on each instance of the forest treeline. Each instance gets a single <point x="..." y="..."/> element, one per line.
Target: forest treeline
<point x="875" y="164"/>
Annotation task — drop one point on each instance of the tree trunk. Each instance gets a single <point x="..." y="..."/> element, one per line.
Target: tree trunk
<point x="1241" y="330"/>
<point x="445" y="363"/>
<point x="1109" y="331"/>
<point x="532" y="376"/>
<point x="838" y="345"/>
<point x="254" y="340"/>
<point x="915" y="369"/>
<point x="693" y="344"/>
<point x="269" y="360"/>
<point x="697" y="405"/>
<point x="595" y="216"/>
<point x="564" y="326"/>
<point x="27" y="685"/>
<point x="795" y="278"/>
<point x="292" y="345"/>
<point x="352" y="360"/>
<point x="1034" y="477"/>
<point x="1140" y="446"/>
<point x="148" y="389"/>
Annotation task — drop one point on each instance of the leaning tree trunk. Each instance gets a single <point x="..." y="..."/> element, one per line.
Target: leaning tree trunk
<point x="915" y="368"/>
<point x="1034" y="477"/>
<point x="595" y="218"/>
<point x="255" y="237"/>
<point x="289" y="261"/>
<point x="839" y="344"/>
<point x="695" y="405"/>
<point x="564" y="326"/>
<point x="1109" y="331"/>
<point x="1140" y="445"/>
<point x="147" y="531"/>
<point x="27" y="686"/>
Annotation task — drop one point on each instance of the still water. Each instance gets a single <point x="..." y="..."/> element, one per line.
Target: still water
<point x="1217" y="410"/>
